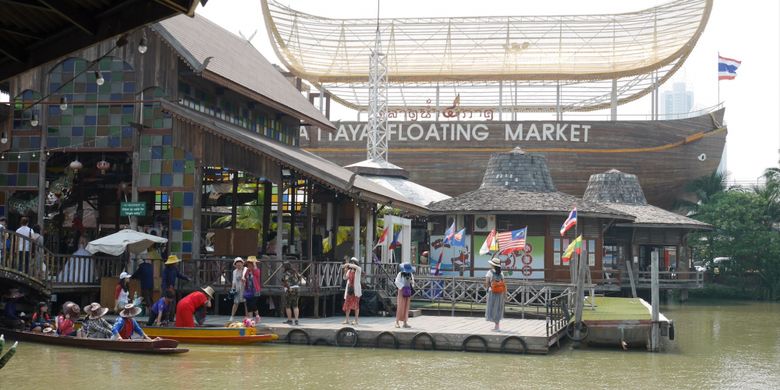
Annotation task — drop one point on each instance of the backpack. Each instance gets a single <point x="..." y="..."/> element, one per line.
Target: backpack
<point x="249" y="290"/>
<point x="497" y="286"/>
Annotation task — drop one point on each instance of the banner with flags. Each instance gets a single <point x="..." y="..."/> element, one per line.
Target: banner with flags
<point x="509" y="242"/>
<point x="383" y="237"/>
<point x="570" y="222"/>
<point x="449" y="233"/>
<point x="727" y="68"/>
<point x="490" y="244"/>
<point x="574" y="247"/>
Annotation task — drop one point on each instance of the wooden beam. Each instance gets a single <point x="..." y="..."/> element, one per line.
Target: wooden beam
<point x="81" y="20"/>
<point x="21" y="33"/>
<point x="32" y="4"/>
<point x="14" y="53"/>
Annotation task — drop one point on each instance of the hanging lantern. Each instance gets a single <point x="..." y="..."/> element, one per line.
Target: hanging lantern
<point x="76" y="165"/>
<point x="103" y="165"/>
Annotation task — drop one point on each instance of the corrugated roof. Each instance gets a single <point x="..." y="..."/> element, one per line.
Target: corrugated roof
<point x="200" y="41"/>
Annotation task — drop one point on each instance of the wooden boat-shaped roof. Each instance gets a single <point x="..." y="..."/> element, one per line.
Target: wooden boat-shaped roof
<point x="162" y="346"/>
<point x="211" y="335"/>
<point x="575" y="51"/>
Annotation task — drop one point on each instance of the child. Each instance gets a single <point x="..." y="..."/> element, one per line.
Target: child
<point x="41" y="319"/>
<point x="160" y="310"/>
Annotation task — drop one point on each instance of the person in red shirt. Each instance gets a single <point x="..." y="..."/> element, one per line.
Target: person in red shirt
<point x="187" y="306"/>
<point x="66" y="320"/>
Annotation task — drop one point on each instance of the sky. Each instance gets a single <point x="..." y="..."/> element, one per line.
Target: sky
<point x="746" y="30"/>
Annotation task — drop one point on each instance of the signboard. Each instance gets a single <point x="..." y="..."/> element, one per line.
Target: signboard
<point x="132" y="209"/>
<point x="518" y="265"/>
<point x="454" y="259"/>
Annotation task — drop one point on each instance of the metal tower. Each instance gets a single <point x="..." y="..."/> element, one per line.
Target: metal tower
<point x="376" y="143"/>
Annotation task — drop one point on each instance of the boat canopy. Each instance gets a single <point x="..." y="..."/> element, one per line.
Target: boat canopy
<point x="494" y="56"/>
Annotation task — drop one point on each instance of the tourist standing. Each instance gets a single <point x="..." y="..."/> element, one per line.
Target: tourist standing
<point x="169" y="275"/>
<point x="160" y="311"/>
<point x="24" y="245"/>
<point x="239" y="281"/>
<point x="185" y="309"/>
<point x="145" y="274"/>
<point x="494" y="282"/>
<point x="253" y="296"/>
<point x="95" y="326"/>
<point x="126" y="325"/>
<point x="291" y="282"/>
<point x="122" y="292"/>
<point x="405" y="283"/>
<point x="353" y="292"/>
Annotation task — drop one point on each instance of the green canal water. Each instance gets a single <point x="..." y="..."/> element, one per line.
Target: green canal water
<point x="719" y="345"/>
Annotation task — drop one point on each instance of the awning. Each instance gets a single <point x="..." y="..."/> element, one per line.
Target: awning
<point x="205" y="138"/>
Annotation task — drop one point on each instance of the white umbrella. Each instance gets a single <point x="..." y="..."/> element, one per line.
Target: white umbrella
<point x="117" y="243"/>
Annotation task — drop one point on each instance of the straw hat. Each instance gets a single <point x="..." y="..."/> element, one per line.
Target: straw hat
<point x="172" y="259"/>
<point x="208" y="291"/>
<point x="237" y="259"/>
<point x="95" y="311"/>
<point x="407" y="268"/>
<point x="124" y="275"/>
<point x="495" y="262"/>
<point x="251" y="259"/>
<point x="130" y="311"/>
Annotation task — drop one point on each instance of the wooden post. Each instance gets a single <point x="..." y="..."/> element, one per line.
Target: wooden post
<point x="654" y="330"/>
<point x="197" y="209"/>
<point x="267" y="189"/>
<point x="356" y="230"/>
<point x="630" y="271"/>
<point x="309" y="222"/>
<point x="582" y="266"/>
<point x="234" y="205"/>
<point x="369" y="260"/>
<point x="279" y="220"/>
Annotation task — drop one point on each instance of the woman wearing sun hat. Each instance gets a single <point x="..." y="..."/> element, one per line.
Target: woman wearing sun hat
<point x="185" y="309"/>
<point x="65" y="321"/>
<point x="252" y="281"/>
<point x="494" y="282"/>
<point x="405" y="283"/>
<point x="126" y="325"/>
<point x="353" y="292"/>
<point x="169" y="275"/>
<point x="95" y="326"/>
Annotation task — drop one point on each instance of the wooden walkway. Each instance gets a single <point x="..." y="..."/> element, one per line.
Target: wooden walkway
<point x="427" y="332"/>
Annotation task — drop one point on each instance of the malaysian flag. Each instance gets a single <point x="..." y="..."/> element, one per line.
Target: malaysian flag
<point x="509" y="242"/>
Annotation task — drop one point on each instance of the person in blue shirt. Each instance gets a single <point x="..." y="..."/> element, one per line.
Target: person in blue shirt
<point x="145" y="274"/>
<point x="169" y="275"/>
<point x="161" y="310"/>
<point x="126" y="325"/>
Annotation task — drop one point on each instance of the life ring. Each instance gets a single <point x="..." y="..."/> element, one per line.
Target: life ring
<point x="523" y="346"/>
<point x="378" y="342"/>
<point x="583" y="331"/>
<point x="343" y="333"/>
<point x="526" y="270"/>
<point x="295" y="331"/>
<point x="420" y="335"/>
<point x="466" y="341"/>
<point x="529" y="257"/>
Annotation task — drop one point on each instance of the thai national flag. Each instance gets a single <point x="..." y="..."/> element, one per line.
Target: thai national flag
<point x="569" y="222"/>
<point x="727" y="68"/>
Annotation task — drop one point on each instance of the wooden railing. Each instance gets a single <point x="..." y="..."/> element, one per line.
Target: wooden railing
<point x="672" y="279"/>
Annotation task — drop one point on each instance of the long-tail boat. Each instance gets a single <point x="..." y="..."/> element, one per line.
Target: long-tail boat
<point x="156" y="346"/>
<point x="211" y="335"/>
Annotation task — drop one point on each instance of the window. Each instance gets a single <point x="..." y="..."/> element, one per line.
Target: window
<point x="613" y="256"/>
<point x="161" y="201"/>
<point x="559" y="248"/>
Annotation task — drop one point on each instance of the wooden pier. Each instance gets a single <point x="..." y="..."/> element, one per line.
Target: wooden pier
<point x="427" y="332"/>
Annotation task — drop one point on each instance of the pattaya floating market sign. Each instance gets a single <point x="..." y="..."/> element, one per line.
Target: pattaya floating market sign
<point x="459" y="131"/>
<point x="132" y="209"/>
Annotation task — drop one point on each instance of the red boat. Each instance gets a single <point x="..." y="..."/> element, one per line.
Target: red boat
<point x="156" y="346"/>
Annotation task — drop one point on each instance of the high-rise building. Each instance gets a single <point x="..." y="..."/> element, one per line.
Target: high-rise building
<point x="677" y="101"/>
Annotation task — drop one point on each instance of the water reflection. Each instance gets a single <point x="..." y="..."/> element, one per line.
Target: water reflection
<point x="733" y="345"/>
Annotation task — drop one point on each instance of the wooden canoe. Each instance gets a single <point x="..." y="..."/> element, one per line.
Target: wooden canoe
<point x="211" y="335"/>
<point x="161" y="346"/>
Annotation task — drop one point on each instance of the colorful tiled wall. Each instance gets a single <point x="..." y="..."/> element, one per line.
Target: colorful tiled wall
<point x="182" y="210"/>
<point x="163" y="165"/>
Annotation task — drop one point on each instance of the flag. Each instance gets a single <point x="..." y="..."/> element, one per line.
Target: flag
<point x="512" y="241"/>
<point x="490" y="244"/>
<point x="382" y="237"/>
<point x="727" y="68"/>
<point x="449" y="233"/>
<point x="459" y="238"/>
<point x="396" y="241"/>
<point x="575" y="246"/>
<point x="570" y="222"/>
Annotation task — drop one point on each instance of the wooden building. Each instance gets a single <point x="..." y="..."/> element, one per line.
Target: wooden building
<point x="517" y="191"/>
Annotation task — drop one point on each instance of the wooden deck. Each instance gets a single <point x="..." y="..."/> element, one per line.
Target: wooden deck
<point x="447" y="333"/>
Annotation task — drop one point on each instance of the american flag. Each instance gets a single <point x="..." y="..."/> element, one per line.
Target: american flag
<point x="509" y="242"/>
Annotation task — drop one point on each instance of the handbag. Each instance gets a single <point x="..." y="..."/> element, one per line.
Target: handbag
<point x="249" y="291"/>
<point x="406" y="291"/>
